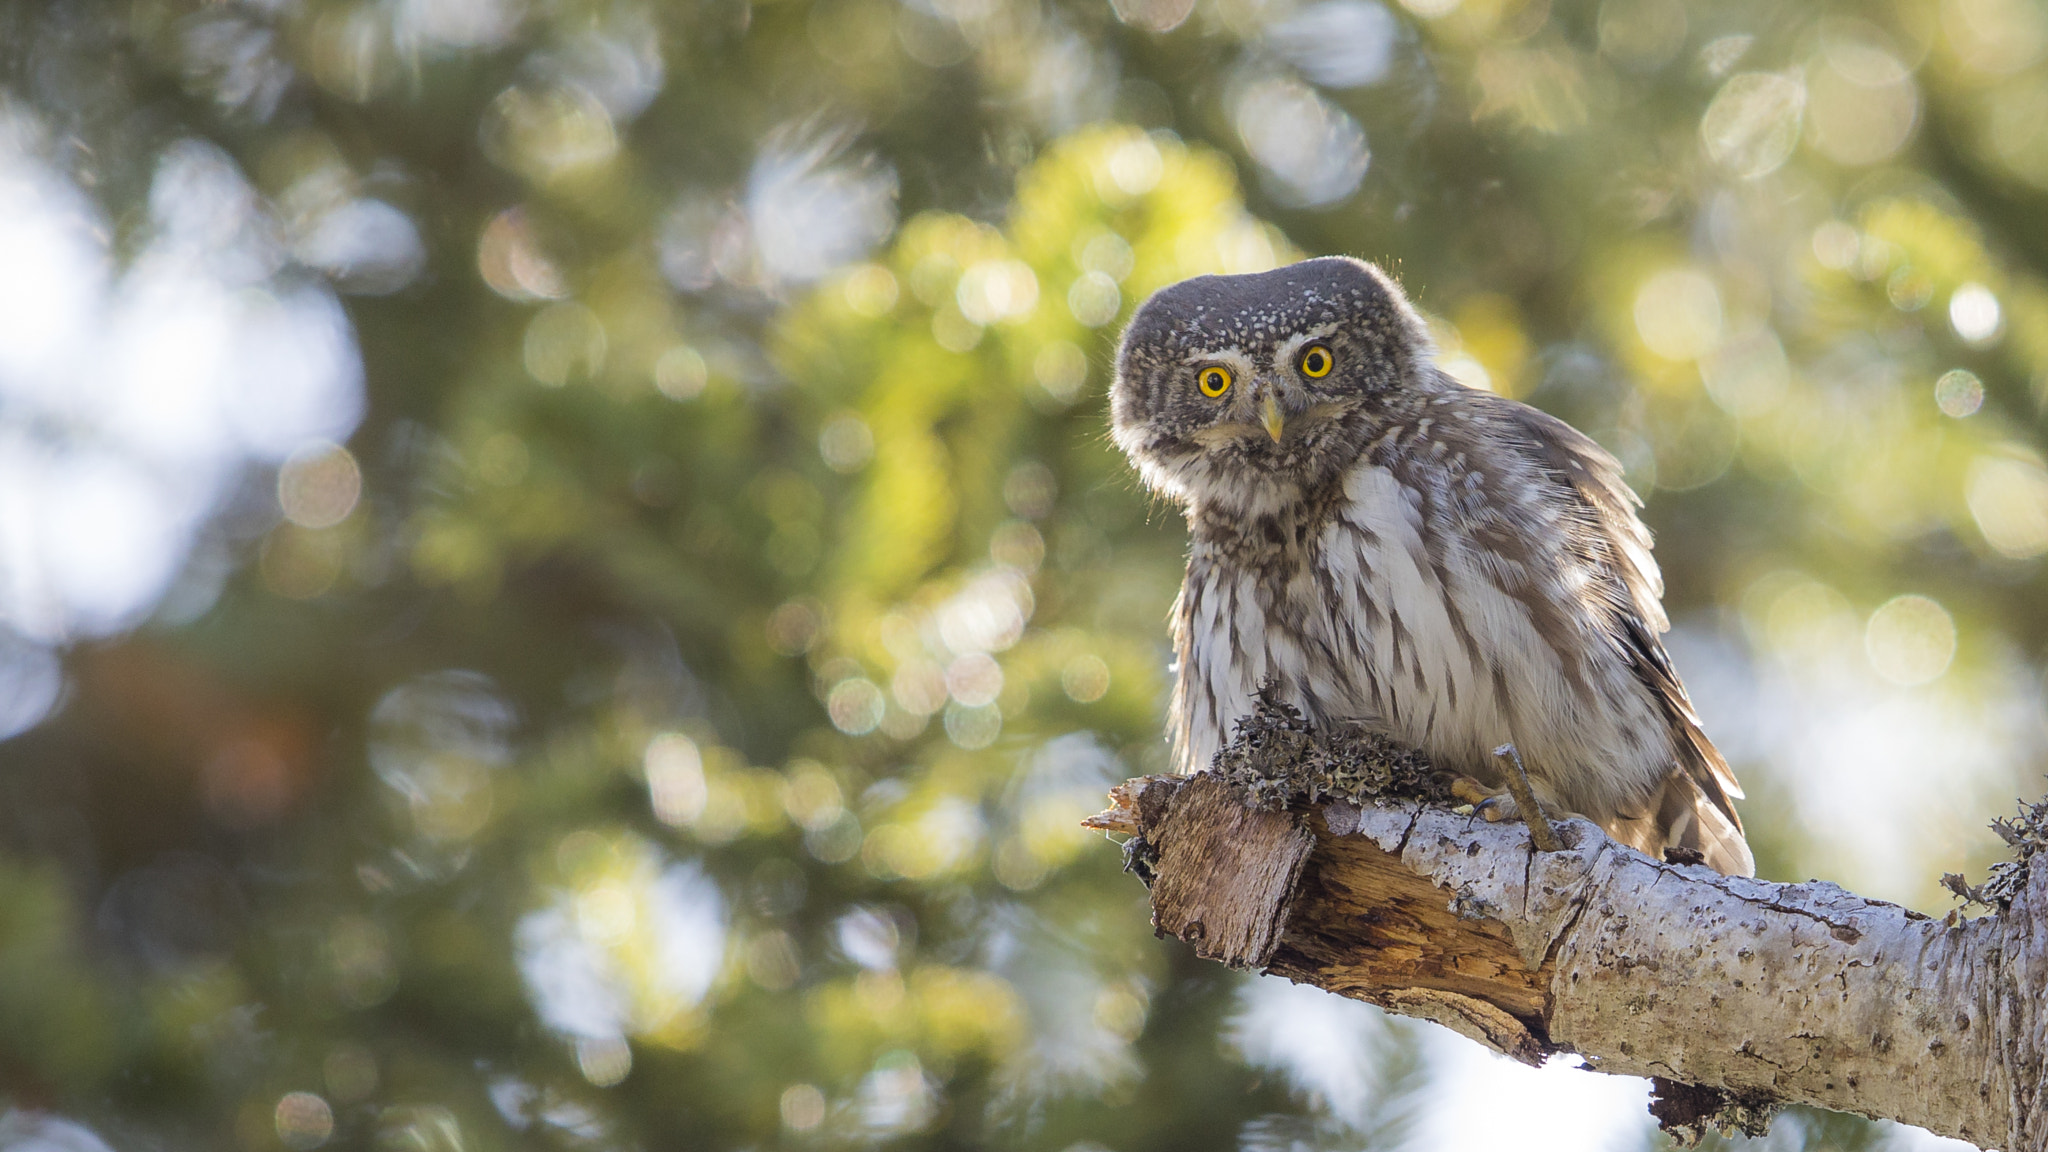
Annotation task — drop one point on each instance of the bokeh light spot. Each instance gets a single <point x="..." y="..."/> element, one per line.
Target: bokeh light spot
<point x="1995" y="37"/>
<point x="502" y="459"/>
<point x="1094" y="299"/>
<point x="1061" y="368"/>
<point x="812" y="206"/>
<point x="811" y="796"/>
<point x="1107" y="253"/>
<point x="855" y="706"/>
<point x="420" y="1128"/>
<point x="974" y="679"/>
<point x="846" y="443"/>
<point x="772" y="961"/>
<point x="2008" y="497"/>
<point x="435" y="741"/>
<point x="1753" y="123"/>
<point x="1085" y="679"/>
<point x="1017" y="544"/>
<point x="509" y="258"/>
<point x="1908" y="288"/>
<point x="606" y="913"/>
<point x="1910" y="640"/>
<point x="1134" y="169"/>
<point x="953" y="331"/>
<point x="1641" y="34"/>
<point x="1338" y="43"/>
<point x="367" y="247"/>
<point x="603" y="1060"/>
<point x="995" y="290"/>
<point x="1974" y="313"/>
<point x="1031" y="490"/>
<point x="795" y="625"/>
<point x="802" y="1107"/>
<point x="1862" y="104"/>
<point x="871" y="291"/>
<point x="350" y="1071"/>
<point x="919" y="687"/>
<point x="1431" y="9"/>
<point x="1016" y="866"/>
<point x="1311" y="151"/>
<point x="319" y="485"/>
<point x="1747" y="374"/>
<point x="1466" y="369"/>
<point x="548" y="132"/>
<point x="836" y="843"/>
<point x="249" y="782"/>
<point x="1678" y="314"/>
<point x="31" y="683"/>
<point x="564" y="341"/>
<point x="304" y="1121"/>
<point x="1959" y="393"/>
<point x="1836" y="245"/>
<point x="973" y="727"/>
<point x="358" y="952"/>
<point x="988" y="615"/>
<point x="675" y="778"/>
<point x="680" y="373"/>
<point x="1800" y="616"/>
<point x="134" y="399"/>
<point x="1153" y="15"/>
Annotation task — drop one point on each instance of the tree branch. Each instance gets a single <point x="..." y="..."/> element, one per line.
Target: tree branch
<point x="1757" y="992"/>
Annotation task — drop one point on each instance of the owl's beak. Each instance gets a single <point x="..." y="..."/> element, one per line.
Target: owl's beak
<point x="1270" y="416"/>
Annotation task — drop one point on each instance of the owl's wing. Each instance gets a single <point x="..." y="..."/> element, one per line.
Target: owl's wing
<point x="1596" y="477"/>
<point x="1696" y="808"/>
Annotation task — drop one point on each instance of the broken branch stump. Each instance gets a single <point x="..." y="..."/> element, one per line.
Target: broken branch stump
<point x="1755" y="993"/>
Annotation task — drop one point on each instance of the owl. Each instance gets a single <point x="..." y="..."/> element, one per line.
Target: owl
<point x="1387" y="547"/>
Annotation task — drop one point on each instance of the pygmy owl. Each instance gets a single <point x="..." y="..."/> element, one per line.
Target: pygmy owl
<point x="1390" y="548"/>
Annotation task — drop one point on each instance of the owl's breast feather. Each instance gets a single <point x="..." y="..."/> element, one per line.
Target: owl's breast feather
<point x="1399" y="618"/>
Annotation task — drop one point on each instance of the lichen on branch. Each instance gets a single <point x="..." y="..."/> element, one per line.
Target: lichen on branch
<point x="1280" y="759"/>
<point x="2026" y="834"/>
<point x="1306" y="855"/>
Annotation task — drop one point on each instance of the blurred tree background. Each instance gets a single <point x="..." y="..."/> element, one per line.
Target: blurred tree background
<point x="562" y="584"/>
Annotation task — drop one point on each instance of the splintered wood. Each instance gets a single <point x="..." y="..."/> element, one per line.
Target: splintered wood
<point x="1371" y="929"/>
<point x="1756" y="992"/>
<point x="1226" y="873"/>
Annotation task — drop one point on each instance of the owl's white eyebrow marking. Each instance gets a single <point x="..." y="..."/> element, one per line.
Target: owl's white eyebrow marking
<point x="1232" y="355"/>
<point x="1284" y="354"/>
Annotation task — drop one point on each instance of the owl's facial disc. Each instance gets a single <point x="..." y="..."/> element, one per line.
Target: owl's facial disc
<point x="1243" y="388"/>
<point x="1257" y="405"/>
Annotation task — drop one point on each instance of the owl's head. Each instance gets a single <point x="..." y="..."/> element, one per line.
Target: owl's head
<point x="1241" y="392"/>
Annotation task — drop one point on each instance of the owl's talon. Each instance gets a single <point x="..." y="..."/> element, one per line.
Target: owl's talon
<point x="1494" y="804"/>
<point x="1497" y="805"/>
<point x="1473" y="792"/>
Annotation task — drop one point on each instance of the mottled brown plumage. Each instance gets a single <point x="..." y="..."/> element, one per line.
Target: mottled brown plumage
<point x="1394" y="549"/>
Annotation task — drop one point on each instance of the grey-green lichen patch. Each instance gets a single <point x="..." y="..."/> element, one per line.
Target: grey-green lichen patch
<point x="2027" y="835"/>
<point x="1279" y="758"/>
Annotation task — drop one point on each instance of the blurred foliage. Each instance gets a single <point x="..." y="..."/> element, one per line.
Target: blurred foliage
<point x="674" y="731"/>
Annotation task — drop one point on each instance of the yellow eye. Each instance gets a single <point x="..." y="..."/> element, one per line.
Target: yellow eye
<point x="1316" y="361"/>
<point x="1214" y="380"/>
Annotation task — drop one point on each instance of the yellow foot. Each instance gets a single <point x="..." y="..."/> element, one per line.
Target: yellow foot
<point x="1495" y="804"/>
<point x="1498" y="804"/>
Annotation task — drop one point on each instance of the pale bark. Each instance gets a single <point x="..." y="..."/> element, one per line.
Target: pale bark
<point x="1763" y="993"/>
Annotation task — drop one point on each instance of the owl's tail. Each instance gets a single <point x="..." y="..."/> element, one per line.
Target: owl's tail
<point x="1681" y="815"/>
